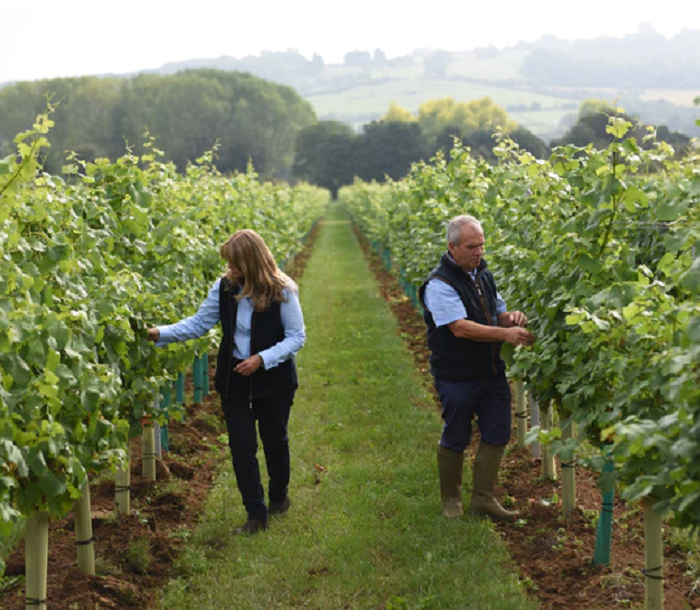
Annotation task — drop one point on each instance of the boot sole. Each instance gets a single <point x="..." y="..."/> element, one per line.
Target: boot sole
<point x="494" y="518"/>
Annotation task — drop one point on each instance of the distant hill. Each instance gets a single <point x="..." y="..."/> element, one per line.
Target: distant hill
<point x="540" y="84"/>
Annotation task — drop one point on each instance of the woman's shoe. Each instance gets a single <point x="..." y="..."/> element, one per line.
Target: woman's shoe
<point x="250" y="527"/>
<point x="279" y="508"/>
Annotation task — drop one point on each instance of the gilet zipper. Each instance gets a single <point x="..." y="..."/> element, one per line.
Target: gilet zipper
<point x="489" y="319"/>
<point x="232" y="322"/>
<point x="252" y="330"/>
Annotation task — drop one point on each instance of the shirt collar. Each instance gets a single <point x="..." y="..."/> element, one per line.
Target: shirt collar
<point x="471" y="274"/>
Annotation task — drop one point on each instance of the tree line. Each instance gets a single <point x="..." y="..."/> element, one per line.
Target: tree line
<point x="644" y="60"/>
<point x="252" y="120"/>
<point x="332" y="155"/>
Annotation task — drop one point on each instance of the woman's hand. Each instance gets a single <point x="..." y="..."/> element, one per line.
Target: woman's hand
<point x="153" y="334"/>
<point x="249" y="366"/>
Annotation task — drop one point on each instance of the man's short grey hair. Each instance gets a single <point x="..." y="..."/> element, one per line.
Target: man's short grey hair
<point x="454" y="229"/>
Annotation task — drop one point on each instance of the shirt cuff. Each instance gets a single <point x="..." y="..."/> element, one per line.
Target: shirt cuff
<point x="164" y="336"/>
<point x="267" y="359"/>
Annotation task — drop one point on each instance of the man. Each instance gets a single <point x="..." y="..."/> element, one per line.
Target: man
<point x="467" y="322"/>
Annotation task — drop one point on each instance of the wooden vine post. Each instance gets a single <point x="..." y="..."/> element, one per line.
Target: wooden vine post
<point x="549" y="468"/>
<point x="653" y="558"/>
<point x="535" y="415"/>
<point x="568" y="473"/>
<point x="37" y="561"/>
<point x="148" y="450"/>
<point x="520" y="412"/>
<point x="122" y="488"/>
<point x="83" y="532"/>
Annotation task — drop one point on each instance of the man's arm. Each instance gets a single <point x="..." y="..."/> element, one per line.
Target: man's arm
<point x="466" y="329"/>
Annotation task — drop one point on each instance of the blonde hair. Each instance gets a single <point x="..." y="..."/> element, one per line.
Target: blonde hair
<point x="264" y="280"/>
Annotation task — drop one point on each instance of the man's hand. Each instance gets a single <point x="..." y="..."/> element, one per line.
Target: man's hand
<point x="512" y="318"/>
<point x="249" y="366"/>
<point x="153" y="334"/>
<point x="519" y="336"/>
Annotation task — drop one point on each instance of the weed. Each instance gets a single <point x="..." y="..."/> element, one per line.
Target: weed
<point x="529" y="584"/>
<point x="104" y="567"/>
<point x="683" y="540"/>
<point x="138" y="556"/>
<point x="399" y="603"/>
<point x="508" y="501"/>
<point x="171" y="486"/>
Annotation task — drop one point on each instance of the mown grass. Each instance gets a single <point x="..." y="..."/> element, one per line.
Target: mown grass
<point x="365" y="529"/>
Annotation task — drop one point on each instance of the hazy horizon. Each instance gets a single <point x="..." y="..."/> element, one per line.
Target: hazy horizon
<point x="49" y="40"/>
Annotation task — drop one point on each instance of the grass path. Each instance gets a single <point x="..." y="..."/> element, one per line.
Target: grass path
<point x="365" y="529"/>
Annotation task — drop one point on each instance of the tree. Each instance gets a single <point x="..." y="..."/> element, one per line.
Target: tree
<point x="388" y="148"/>
<point x="396" y="113"/>
<point x="83" y="116"/>
<point x="482" y="141"/>
<point x="438" y="117"/>
<point x="326" y="155"/>
<point x="592" y="128"/>
<point x="358" y="58"/>
<point x="436" y="64"/>
<point x="188" y="112"/>
<point x="379" y="56"/>
<point x="317" y="64"/>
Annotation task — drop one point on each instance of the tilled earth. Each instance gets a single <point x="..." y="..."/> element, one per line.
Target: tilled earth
<point x="134" y="553"/>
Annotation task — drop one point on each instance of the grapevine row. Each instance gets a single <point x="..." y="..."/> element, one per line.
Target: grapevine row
<point x="600" y="249"/>
<point x="89" y="260"/>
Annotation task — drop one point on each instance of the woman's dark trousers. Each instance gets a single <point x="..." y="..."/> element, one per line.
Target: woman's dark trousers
<point x="272" y="416"/>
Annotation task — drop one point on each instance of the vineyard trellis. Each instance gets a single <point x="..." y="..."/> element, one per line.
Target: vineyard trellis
<point x="599" y="247"/>
<point x="88" y="260"/>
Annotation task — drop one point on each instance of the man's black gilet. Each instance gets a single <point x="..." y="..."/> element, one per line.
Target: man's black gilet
<point x="457" y="359"/>
<point x="266" y="331"/>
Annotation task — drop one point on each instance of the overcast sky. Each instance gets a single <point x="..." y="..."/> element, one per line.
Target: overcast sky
<point x="48" y="38"/>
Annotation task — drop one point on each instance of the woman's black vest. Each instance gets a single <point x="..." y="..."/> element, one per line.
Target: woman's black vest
<point x="266" y="331"/>
<point x="454" y="358"/>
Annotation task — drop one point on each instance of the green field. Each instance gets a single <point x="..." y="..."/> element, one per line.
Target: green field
<point x="504" y="67"/>
<point x="411" y="93"/>
<point x="367" y="102"/>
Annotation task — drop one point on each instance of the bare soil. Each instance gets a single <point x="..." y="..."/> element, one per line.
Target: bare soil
<point x="133" y="553"/>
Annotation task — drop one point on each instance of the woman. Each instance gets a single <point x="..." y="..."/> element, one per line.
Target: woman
<point x="263" y="328"/>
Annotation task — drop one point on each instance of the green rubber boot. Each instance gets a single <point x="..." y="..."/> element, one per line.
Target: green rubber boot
<point x="486" y="466"/>
<point x="450" y="467"/>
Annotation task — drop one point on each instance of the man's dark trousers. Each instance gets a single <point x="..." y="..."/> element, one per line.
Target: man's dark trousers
<point x="488" y="399"/>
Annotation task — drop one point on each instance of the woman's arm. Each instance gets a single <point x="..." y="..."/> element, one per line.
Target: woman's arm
<point x="294" y="332"/>
<point x="193" y="327"/>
